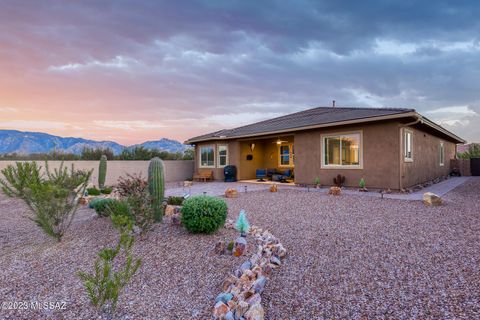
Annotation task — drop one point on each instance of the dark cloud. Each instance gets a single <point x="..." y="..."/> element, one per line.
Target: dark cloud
<point x="242" y="57"/>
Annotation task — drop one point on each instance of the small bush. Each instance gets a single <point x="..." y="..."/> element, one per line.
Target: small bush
<point x="100" y="205"/>
<point x="119" y="208"/>
<point x="132" y="185"/>
<point x="204" y="214"/>
<point x="137" y="209"/>
<point x="52" y="197"/>
<point x="175" y="201"/>
<point x="106" y="190"/>
<point x="93" y="191"/>
<point x="113" y="270"/>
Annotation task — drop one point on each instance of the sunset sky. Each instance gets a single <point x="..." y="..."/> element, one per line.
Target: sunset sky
<point x="131" y="71"/>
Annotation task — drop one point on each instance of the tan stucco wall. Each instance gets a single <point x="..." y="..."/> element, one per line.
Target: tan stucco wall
<point x="426" y="159"/>
<point x="265" y="155"/>
<point x="177" y="170"/>
<point x="383" y="163"/>
<point x="380" y="156"/>
<point x="217" y="171"/>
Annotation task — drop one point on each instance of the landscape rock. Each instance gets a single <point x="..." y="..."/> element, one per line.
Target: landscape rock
<point x="336" y="191"/>
<point x="224" y="297"/>
<point x="247" y="265"/>
<point x="229" y="316"/>
<point x="255" y="312"/>
<point x="239" y="246"/>
<point x="431" y="199"/>
<point x="241" y="308"/>
<point x="259" y="284"/>
<point x="220" y="310"/>
<point x="275" y="261"/>
<point x="231" y="193"/>
<point x="273" y="188"/>
<point x="241" y="294"/>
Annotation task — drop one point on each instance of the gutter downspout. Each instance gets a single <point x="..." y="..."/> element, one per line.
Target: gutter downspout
<point x="400" y="136"/>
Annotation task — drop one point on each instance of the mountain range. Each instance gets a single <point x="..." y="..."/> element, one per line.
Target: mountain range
<point x="24" y="142"/>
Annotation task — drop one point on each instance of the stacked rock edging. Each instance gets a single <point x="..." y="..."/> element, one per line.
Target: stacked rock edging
<point x="241" y="295"/>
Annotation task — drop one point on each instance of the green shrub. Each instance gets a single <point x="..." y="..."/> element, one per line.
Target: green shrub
<point x="361" y="184"/>
<point x="137" y="209"/>
<point x="93" y="191"/>
<point x="52" y="198"/>
<point x="204" y="214"/>
<point x="119" y="209"/>
<point x="111" y="275"/>
<point x="100" y="205"/>
<point x="175" y="201"/>
<point x="106" y="190"/>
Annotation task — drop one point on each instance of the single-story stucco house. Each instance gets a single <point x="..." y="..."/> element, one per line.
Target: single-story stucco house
<point x="389" y="148"/>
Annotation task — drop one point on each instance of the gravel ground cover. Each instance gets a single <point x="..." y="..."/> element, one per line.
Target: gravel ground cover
<point x="179" y="278"/>
<point x="354" y="257"/>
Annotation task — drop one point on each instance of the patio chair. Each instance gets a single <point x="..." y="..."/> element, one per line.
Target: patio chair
<point x="270" y="173"/>
<point x="260" y="174"/>
<point x="283" y="177"/>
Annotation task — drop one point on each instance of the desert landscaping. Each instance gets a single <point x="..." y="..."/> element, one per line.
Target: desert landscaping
<point x="308" y="255"/>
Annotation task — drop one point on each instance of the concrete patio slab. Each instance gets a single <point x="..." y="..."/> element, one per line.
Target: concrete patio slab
<point x="217" y="188"/>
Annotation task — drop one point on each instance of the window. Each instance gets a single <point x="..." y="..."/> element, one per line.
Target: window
<point x="207" y="157"/>
<point x="408" y="145"/>
<point x="342" y="150"/>
<point x="285" y="152"/>
<point x="222" y="156"/>
<point x="442" y="154"/>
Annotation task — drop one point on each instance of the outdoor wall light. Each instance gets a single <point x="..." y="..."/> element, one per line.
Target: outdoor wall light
<point x="252" y="146"/>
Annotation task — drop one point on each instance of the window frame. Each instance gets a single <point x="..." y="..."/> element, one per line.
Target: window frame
<point x="219" y="156"/>
<point x="200" y="156"/>
<point x="441" y="154"/>
<point x="405" y="133"/>
<point x="323" y="144"/>
<point x="291" y="155"/>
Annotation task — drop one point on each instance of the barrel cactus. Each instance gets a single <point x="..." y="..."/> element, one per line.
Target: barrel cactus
<point x="156" y="185"/>
<point x="102" y="172"/>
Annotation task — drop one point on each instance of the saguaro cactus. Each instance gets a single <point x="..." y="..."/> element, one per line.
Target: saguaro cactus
<point x="102" y="171"/>
<point x="156" y="185"/>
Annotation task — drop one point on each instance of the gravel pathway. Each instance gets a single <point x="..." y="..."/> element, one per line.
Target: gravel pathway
<point x="356" y="257"/>
<point x="179" y="278"/>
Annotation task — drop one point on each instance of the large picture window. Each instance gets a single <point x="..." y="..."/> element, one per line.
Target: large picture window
<point x="342" y="150"/>
<point x="222" y="156"/>
<point x="207" y="154"/>
<point x="286" y="155"/>
<point x="408" y="145"/>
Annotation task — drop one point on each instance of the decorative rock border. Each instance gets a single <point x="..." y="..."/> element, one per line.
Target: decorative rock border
<point x="241" y="295"/>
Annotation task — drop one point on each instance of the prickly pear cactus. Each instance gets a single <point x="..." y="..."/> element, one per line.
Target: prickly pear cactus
<point x="156" y="185"/>
<point x="102" y="172"/>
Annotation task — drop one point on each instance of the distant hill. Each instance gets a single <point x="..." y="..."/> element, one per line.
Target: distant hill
<point x="162" y="144"/>
<point x="23" y="142"/>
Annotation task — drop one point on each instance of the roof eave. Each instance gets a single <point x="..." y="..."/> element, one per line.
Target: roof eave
<point x="323" y="125"/>
<point x="439" y="128"/>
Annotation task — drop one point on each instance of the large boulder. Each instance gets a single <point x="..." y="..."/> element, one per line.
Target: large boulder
<point x="431" y="199"/>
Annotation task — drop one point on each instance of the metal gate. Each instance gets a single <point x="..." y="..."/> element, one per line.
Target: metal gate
<point x="475" y="166"/>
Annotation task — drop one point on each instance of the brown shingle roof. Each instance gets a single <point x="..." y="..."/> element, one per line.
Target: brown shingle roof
<point x="300" y="120"/>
